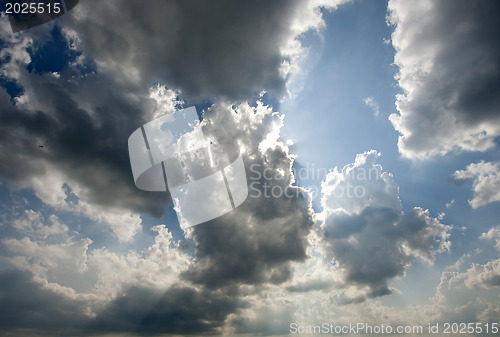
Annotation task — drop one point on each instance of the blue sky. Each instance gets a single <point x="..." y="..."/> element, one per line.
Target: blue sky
<point x="406" y="90"/>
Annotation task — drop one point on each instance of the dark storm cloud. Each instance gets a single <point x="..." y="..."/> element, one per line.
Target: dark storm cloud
<point x="450" y="72"/>
<point x="206" y="49"/>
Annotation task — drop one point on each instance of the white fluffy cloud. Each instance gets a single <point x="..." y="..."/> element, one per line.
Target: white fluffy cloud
<point x="68" y="266"/>
<point x="462" y="296"/>
<point x="486" y="185"/>
<point x="447" y="56"/>
<point x="487" y="275"/>
<point x="492" y="234"/>
<point x="360" y="185"/>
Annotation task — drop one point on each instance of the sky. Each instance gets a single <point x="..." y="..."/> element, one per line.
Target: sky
<point x="369" y="136"/>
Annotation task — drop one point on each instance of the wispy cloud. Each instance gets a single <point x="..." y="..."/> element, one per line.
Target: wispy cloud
<point x="370" y="101"/>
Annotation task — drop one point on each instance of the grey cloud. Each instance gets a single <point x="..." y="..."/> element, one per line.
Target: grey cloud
<point x="206" y="49"/>
<point x="28" y="309"/>
<point x="180" y="310"/>
<point x="254" y="245"/>
<point x="449" y="71"/>
<point x="87" y="147"/>
<point x="372" y="256"/>
<point x="369" y="238"/>
<point x="256" y="242"/>
<point x="379" y="244"/>
<point x="83" y="118"/>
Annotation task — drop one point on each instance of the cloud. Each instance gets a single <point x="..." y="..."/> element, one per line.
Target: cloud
<point x="359" y="185"/>
<point x="487" y="275"/>
<point x="59" y="266"/>
<point x="70" y="123"/>
<point x="492" y="234"/>
<point x="217" y="49"/>
<point x="486" y="185"/>
<point x="448" y="70"/>
<point x="468" y="293"/>
<point x="372" y="104"/>
<point x="29" y="309"/>
<point x="32" y="225"/>
<point x="463" y="295"/>
<point x="87" y="149"/>
<point x="179" y="310"/>
<point x="269" y="314"/>
<point x="83" y="118"/>
<point x="253" y="246"/>
<point x="256" y="242"/>
<point x="245" y="272"/>
<point x="366" y="234"/>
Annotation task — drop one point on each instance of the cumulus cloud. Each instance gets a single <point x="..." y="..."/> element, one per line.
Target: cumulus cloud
<point x="366" y="234"/>
<point x="359" y="185"/>
<point x="486" y="185"/>
<point x="232" y="273"/>
<point x="60" y="265"/>
<point x="492" y="234"/>
<point x="462" y="295"/>
<point x="256" y="242"/>
<point x="468" y="293"/>
<point x="449" y="73"/>
<point x="29" y="309"/>
<point x="487" y="275"/>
